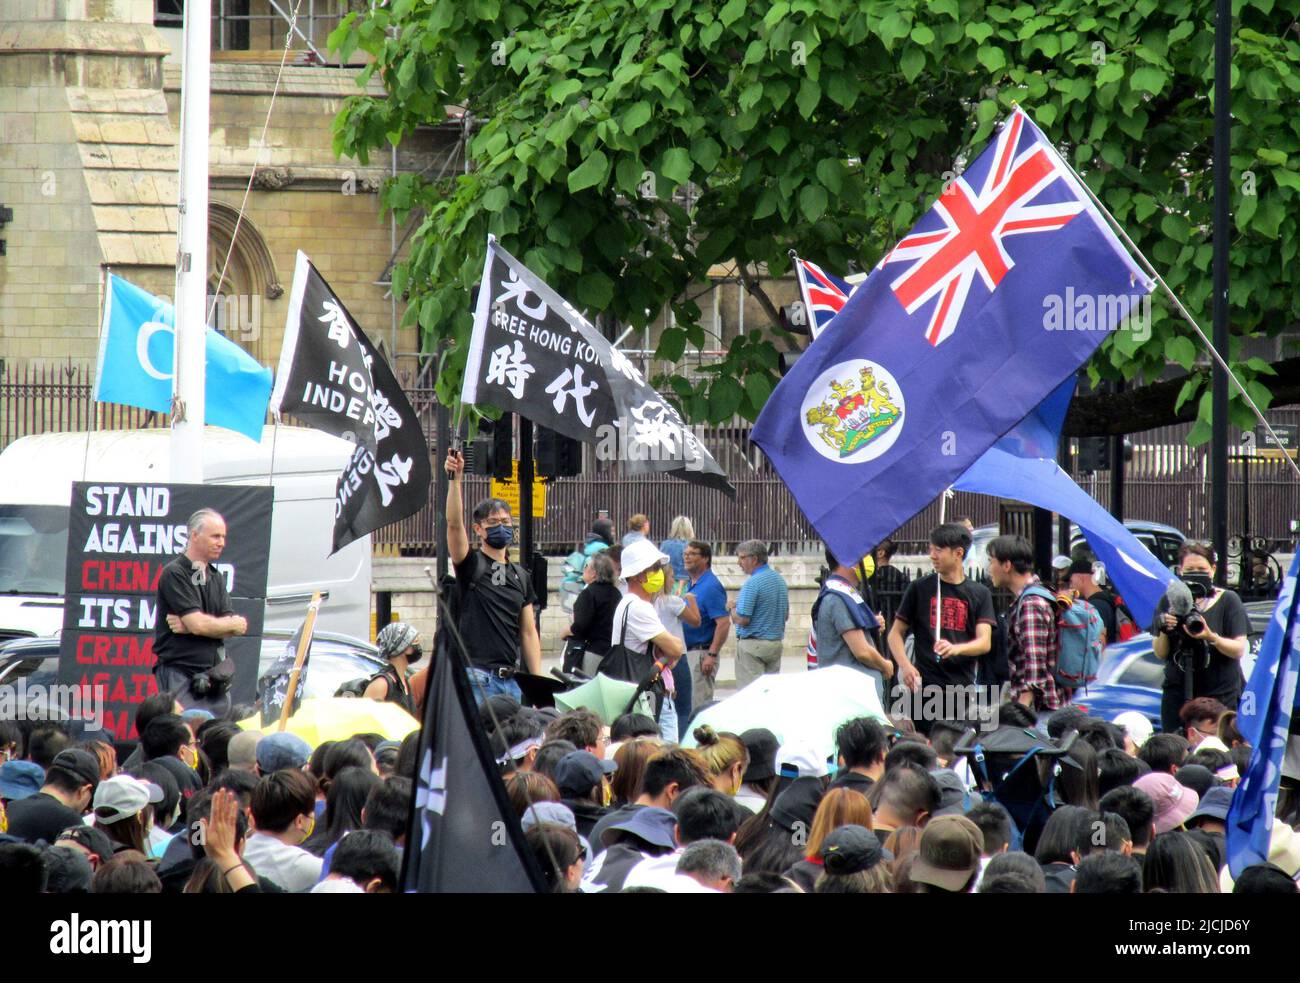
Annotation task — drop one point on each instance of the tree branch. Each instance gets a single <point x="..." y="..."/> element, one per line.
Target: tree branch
<point x="754" y="287"/>
<point x="1151" y="406"/>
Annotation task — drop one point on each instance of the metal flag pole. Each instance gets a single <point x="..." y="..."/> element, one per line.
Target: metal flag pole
<point x="1178" y="305"/>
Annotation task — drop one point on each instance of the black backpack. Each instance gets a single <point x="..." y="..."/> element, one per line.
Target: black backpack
<point x="994" y="667"/>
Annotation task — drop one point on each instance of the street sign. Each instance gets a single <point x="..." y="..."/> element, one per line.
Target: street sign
<point x="508" y="491"/>
<point x="1285" y="443"/>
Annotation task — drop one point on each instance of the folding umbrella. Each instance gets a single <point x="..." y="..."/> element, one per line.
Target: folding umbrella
<point x="607" y="698"/>
<point x="322" y="719"/>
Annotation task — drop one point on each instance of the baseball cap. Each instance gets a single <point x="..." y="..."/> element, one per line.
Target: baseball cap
<point x="798" y="803"/>
<point x="1137" y="726"/>
<point x="949" y="853"/>
<point x="650" y="824"/>
<point x="19" y="779"/>
<point x="640" y="556"/>
<point x="69" y="871"/>
<point x="954" y="799"/>
<point x="1212" y="743"/>
<point x="81" y="765"/>
<point x="241" y="752"/>
<point x="122" y="796"/>
<point x="1081" y="565"/>
<point x="555" y="813"/>
<point x="850" y="850"/>
<point x="762" y="746"/>
<point x="1214" y="804"/>
<point x="282" y="750"/>
<point x="88" y="838"/>
<point x="580" y="771"/>
<point x="801" y="761"/>
<point x="1173" y="801"/>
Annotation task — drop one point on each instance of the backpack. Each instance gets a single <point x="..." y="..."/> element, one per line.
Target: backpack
<point x="1078" y="640"/>
<point x="1126" y="625"/>
<point x="994" y="666"/>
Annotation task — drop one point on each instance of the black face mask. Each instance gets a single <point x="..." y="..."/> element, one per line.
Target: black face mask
<point x="417" y="653"/>
<point x="1199" y="583"/>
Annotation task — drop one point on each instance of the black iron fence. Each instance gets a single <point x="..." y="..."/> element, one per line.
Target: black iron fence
<point x="1166" y="481"/>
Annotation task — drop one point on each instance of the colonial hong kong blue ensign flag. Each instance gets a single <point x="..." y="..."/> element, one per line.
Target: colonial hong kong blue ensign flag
<point x="1002" y="290"/>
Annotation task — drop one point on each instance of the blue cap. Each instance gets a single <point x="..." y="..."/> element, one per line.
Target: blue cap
<point x="19" y="779"/>
<point x="649" y="823"/>
<point x="282" y="750"/>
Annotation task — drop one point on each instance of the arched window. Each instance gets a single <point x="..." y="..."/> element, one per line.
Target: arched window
<point x="250" y="278"/>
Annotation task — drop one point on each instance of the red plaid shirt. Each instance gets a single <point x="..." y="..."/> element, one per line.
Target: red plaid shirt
<point x="1032" y="652"/>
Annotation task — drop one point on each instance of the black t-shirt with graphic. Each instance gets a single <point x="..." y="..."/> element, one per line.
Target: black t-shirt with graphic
<point x="965" y="605"/>
<point x="1221" y="678"/>
<point x="179" y="593"/>
<point x="490" y="604"/>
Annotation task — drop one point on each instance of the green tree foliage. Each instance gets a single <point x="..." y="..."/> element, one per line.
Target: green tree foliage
<point x="827" y="126"/>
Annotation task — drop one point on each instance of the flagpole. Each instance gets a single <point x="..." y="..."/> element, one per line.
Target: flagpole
<point x="1178" y="305"/>
<point x="192" y="249"/>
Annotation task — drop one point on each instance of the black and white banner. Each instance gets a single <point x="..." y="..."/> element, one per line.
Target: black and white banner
<point x="332" y="378"/>
<point x="534" y="354"/>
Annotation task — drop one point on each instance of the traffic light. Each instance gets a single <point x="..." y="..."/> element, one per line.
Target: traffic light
<point x="557" y="456"/>
<point x="794" y="318"/>
<point x="787" y="361"/>
<point x="493" y="454"/>
<point x="1094" y="454"/>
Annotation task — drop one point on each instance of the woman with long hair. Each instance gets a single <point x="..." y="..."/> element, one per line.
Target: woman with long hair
<point x="839" y="807"/>
<point x="123" y="811"/>
<point x="343" y="803"/>
<point x="1177" y="864"/>
<point x="631" y="758"/>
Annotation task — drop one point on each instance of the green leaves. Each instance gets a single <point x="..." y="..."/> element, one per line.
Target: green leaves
<point x="815" y="124"/>
<point x="590" y="173"/>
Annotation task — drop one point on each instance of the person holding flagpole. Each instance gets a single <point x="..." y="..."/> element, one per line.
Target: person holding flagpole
<point x="495" y="596"/>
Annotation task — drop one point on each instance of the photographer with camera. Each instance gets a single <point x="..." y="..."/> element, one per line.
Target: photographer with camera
<point x="194" y="618"/>
<point x="1201" y="634"/>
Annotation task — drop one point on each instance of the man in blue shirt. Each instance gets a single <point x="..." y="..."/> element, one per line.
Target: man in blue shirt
<point x="705" y="642"/>
<point x="760" y="613"/>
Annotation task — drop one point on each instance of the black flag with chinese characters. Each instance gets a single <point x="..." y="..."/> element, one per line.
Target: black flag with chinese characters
<point x="332" y="378"/>
<point x="464" y="835"/>
<point x="534" y="354"/>
<point x="324" y="378"/>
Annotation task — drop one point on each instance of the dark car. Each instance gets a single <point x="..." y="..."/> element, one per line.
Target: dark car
<point x="1130" y="676"/>
<point x="29" y="667"/>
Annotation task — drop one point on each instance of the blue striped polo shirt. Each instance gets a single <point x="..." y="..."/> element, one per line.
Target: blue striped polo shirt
<point x="765" y="601"/>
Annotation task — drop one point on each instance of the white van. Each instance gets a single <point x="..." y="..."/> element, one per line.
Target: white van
<point x="36" y="476"/>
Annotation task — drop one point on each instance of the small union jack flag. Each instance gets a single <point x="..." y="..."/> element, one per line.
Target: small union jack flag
<point x="824" y="294"/>
<point x="944" y="262"/>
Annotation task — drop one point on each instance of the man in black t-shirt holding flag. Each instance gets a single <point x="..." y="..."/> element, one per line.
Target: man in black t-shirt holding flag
<point x="965" y="634"/>
<point x="495" y="596"/>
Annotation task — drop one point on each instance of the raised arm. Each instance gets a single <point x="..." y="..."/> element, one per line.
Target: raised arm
<point x="457" y="535"/>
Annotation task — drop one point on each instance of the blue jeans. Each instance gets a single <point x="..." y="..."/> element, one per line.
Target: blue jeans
<point x="486" y="684"/>
<point x="682" y="680"/>
<point x="668" y="721"/>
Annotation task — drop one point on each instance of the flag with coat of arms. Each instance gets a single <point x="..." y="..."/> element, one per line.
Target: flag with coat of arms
<point x="1001" y="291"/>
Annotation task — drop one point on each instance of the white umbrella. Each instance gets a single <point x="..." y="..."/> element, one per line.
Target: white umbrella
<point x="802" y="708"/>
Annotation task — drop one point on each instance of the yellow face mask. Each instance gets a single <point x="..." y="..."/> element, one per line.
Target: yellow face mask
<point x="654" y="582"/>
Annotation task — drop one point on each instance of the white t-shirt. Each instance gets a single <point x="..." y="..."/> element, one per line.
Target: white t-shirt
<point x="670" y="610"/>
<point x="643" y="623"/>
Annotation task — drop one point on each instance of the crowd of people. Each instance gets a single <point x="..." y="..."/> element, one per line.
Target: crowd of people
<point x="903" y="805"/>
<point x="200" y="807"/>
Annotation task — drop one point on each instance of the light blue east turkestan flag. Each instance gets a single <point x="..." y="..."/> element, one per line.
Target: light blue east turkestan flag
<point x="136" y="346"/>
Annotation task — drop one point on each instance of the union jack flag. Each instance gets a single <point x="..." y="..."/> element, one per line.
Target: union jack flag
<point x="824" y="294"/>
<point x="945" y="261"/>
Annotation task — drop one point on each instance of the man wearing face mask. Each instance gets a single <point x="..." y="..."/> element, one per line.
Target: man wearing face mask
<point x="399" y="644"/>
<point x="1202" y="650"/>
<point x="284" y="814"/>
<point x="495" y="596"/>
<point x="637" y="625"/>
<point x="846" y="632"/>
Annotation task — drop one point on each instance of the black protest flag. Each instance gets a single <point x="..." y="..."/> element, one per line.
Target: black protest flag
<point x="273" y="686"/>
<point x="464" y="836"/>
<point x="324" y="378"/>
<point x="534" y="354"/>
<point x="334" y="379"/>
